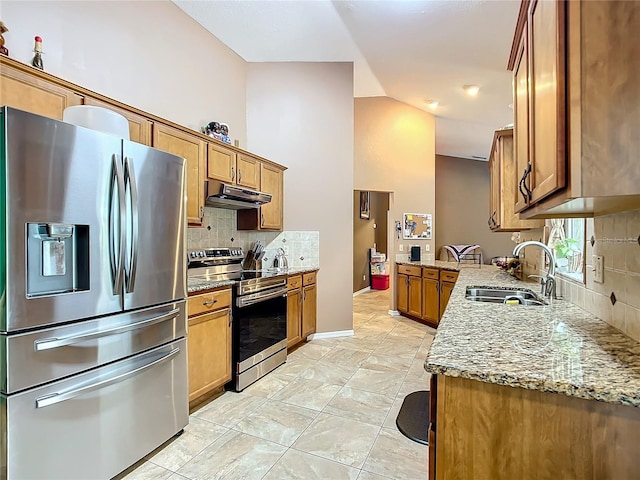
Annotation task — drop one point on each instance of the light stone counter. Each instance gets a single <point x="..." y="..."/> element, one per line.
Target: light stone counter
<point x="440" y="264"/>
<point x="558" y="348"/>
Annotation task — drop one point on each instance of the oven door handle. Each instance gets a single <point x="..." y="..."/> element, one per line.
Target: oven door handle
<point x="260" y="297"/>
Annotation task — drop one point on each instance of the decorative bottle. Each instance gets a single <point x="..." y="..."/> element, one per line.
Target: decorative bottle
<point x="37" y="58"/>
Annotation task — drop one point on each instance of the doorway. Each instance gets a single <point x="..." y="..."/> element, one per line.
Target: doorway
<point x="370" y="213"/>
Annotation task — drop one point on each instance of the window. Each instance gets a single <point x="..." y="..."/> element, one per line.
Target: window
<point x="567" y="240"/>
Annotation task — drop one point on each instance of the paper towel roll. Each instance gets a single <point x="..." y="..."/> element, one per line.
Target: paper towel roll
<point x="97" y="118"/>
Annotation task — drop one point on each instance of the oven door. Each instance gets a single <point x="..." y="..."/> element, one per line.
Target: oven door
<point x="260" y="327"/>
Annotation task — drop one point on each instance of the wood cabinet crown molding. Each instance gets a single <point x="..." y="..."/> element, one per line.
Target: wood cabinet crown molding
<point x="50" y="78"/>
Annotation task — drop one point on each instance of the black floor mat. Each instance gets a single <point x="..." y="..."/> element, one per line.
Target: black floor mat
<point x="413" y="418"/>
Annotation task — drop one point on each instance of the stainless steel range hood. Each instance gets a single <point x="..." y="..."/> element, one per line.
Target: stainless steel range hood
<point x="224" y="195"/>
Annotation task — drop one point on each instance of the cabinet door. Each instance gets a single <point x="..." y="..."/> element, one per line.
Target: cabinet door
<point x="547" y="81"/>
<point x="294" y="317"/>
<point x="309" y="305"/>
<point x="494" y="188"/>
<point x="415" y="296"/>
<point x="248" y="172"/>
<point x="221" y="163"/>
<point x="445" y="294"/>
<point x="209" y="349"/>
<point x="32" y="94"/>
<point x="271" y="181"/>
<point x="402" y="293"/>
<point x="521" y="122"/>
<point x="139" y="126"/>
<point x="194" y="150"/>
<point x="430" y="299"/>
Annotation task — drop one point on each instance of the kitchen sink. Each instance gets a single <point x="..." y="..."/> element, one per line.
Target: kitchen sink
<point x="509" y="296"/>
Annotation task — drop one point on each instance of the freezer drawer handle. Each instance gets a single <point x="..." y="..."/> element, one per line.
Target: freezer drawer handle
<point x="54" y="398"/>
<point x="49" y="343"/>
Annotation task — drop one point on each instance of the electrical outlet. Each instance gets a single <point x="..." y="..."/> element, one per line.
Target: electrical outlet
<point x="427" y="247"/>
<point x="401" y="248"/>
<point x="364" y="277"/>
<point x="598" y="268"/>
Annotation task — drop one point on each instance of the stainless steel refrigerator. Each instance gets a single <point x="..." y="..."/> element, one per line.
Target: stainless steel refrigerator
<point x="92" y="307"/>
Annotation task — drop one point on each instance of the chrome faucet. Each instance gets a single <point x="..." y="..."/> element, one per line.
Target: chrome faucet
<point x="548" y="282"/>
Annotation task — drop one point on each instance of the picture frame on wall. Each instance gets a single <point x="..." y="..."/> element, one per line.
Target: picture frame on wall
<point x="365" y="212"/>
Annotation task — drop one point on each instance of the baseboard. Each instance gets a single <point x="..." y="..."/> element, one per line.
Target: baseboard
<point x="394" y="313"/>
<point x="338" y="333"/>
<point x="364" y="290"/>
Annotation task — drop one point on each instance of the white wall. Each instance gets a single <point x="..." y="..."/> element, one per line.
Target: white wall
<point x="148" y="54"/>
<point x="301" y="115"/>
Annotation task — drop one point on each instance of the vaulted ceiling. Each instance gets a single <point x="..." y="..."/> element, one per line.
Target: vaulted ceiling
<point x="412" y="51"/>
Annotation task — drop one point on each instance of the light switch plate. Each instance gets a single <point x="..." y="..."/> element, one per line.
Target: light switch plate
<point x="401" y="248"/>
<point x="598" y="268"/>
<point x="427" y="248"/>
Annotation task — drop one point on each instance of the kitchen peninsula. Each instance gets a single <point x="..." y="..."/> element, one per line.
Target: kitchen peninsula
<point x="530" y="391"/>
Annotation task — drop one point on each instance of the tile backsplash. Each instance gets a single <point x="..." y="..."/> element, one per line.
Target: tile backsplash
<point x="219" y="230"/>
<point x="617" y="239"/>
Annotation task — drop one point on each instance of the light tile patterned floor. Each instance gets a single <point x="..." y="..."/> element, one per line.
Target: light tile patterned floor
<point x="327" y="414"/>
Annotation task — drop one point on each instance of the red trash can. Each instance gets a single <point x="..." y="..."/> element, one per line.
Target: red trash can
<point x="379" y="282"/>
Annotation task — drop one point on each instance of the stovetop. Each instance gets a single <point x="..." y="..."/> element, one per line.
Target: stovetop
<point x="218" y="264"/>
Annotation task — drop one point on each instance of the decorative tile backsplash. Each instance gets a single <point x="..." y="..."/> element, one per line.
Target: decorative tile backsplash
<point x="219" y="230"/>
<point x="617" y="239"/>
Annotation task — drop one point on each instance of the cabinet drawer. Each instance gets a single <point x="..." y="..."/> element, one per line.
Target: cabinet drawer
<point x="294" y="282"/>
<point x="208" y="302"/>
<point x="409" y="270"/>
<point x="309" y="278"/>
<point x="430" y="273"/>
<point x="448" y="276"/>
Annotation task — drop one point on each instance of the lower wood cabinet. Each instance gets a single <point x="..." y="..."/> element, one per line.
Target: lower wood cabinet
<point x="483" y="430"/>
<point x="301" y="307"/>
<point x="209" y="342"/>
<point x="423" y="292"/>
<point x="409" y="290"/>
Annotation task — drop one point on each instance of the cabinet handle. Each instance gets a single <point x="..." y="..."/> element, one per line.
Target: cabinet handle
<point x="441" y="287"/>
<point x="201" y="212"/>
<point x="522" y="192"/>
<point x="210" y="302"/>
<point x="233" y="174"/>
<point x="304" y="292"/>
<point x="262" y="220"/>
<point x="239" y="175"/>
<point x="524" y="182"/>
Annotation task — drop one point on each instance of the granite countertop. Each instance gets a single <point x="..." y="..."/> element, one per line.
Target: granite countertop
<point x="557" y="348"/>
<point x="455" y="266"/>
<point x="199" y="284"/>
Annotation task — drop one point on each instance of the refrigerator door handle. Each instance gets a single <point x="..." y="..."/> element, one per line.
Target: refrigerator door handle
<point x="58" y="397"/>
<point x="130" y="180"/>
<point x="55" y="342"/>
<point x="116" y="238"/>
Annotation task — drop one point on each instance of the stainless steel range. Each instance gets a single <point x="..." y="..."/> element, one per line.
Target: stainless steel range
<point x="259" y="327"/>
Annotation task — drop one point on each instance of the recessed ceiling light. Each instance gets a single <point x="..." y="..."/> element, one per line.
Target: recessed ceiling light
<point x="471" y="89"/>
<point x="433" y="104"/>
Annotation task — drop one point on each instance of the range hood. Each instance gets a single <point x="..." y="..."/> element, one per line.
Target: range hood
<point x="224" y="195"/>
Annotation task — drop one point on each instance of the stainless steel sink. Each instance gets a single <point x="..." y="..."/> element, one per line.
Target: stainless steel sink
<point x="520" y="296"/>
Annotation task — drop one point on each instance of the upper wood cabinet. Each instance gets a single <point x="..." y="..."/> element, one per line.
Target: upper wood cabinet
<point x="582" y="81"/>
<point x="194" y="150"/>
<point x="269" y="216"/>
<point x="27" y="91"/>
<point x="32" y="90"/>
<point x="504" y="194"/>
<point x="228" y="166"/>
<point x="139" y="126"/>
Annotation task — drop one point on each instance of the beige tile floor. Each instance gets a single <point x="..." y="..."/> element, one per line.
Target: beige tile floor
<point x="328" y="413"/>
